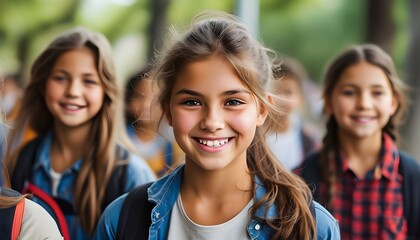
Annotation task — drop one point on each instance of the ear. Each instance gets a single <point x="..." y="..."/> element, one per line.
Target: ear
<point x="263" y="113"/>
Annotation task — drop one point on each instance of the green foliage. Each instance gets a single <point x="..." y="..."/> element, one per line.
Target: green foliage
<point x="310" y="30"/>
<point x="181" y="12"/>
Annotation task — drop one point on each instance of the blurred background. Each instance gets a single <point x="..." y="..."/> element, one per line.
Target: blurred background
<point x="311" y="31"/>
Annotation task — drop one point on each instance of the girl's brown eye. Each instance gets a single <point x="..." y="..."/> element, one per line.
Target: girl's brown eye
<point x="233" y="103"/>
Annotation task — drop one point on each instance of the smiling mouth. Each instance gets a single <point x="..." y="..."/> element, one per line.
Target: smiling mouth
<point x="71" y="107"/>
<point x="363" y="119"/>
<point x="213" y="143"/>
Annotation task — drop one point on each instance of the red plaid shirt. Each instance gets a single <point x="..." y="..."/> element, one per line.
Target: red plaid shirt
<point x="372" y="207"/>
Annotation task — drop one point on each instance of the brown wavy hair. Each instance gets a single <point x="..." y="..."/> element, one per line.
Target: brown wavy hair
<point x="99" y="158"/>
<point x="216" y="33"/>
<point x="350" y="56"/>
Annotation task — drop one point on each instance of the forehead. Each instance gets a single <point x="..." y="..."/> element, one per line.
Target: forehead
<point x="364" y="74"/>
<point x="80" y="58"/>
<point x="211" y="74"/>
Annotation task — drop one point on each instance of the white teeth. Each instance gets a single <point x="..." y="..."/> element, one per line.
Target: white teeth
<point x="72" y="107"/>
<point x="215" y="143"/>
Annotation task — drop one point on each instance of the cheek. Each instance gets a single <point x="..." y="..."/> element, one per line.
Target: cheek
<point x="52" y="93"/>
<point x="387" y="107"/>
<point x="97" y="99"/>
<point x="341" y="105"/>
<point x="132" y="107"/>
<point x="183" y="122"/>
<point x="243" y="123"/>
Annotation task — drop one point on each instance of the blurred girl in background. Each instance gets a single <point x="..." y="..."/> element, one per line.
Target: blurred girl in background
<point x="79" y="161"/>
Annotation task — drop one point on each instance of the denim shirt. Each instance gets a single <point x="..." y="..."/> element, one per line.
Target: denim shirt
<point x="138" y="172"/>
<point x="164" y="193"/>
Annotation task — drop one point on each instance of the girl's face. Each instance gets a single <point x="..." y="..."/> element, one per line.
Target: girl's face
<point x="289" y="90"/>
<point x="362" y="101"/>
<point x="140" y="106"/>
<point x="74" y="93"/>
<point x="213" y="115"/>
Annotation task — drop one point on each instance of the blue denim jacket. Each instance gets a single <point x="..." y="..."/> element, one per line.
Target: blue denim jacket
<point x="164" y="193"/>
<point x="138" y="172"/>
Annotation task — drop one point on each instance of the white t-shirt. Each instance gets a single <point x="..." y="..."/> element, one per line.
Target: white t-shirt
<point x="55" y="180"/>
<point x="37" y="223"/>
<point x="287" y="146"/>
<point x="182" y="227"/>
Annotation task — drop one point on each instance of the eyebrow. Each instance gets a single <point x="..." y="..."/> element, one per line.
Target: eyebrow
<point x="356" y="86"/>
<point x="226" y="93"/>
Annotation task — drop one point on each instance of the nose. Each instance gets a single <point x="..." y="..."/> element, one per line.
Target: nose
<point x="213" y="119"/>
<point x="73" y="89"/>
<point x="364" y="101"/>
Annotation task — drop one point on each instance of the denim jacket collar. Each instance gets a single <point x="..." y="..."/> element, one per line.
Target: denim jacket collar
<point x="43" y="160"/>
<point x="165" y="191"/>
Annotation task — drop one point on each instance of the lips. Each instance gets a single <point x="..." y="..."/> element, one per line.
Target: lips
<point x="360" y="119"/>
<point x="71" y="107"/>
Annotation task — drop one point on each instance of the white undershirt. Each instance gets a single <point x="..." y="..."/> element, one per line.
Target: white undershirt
<point x="182" y="227"/>
<point x="287" y="146"/>
<point x="55" y="180"/>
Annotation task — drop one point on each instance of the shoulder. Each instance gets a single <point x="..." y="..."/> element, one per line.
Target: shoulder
<point x="37" y="223"/>
<point x="326" y="224"/>
<point x="409" y="163"/>
<point x="108" y="223"/>
<point x="139" y="169"/>
<point x="309" y="166"/>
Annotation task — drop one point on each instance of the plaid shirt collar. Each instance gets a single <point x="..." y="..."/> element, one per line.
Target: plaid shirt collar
<point x="387" y="166"/>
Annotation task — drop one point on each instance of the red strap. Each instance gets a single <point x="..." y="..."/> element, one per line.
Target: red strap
<point x="17" y="219"/>
<point x="62" y="223"/>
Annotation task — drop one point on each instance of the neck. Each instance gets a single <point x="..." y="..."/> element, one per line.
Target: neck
<point x="233" y="178"/>
<point x="214" y="197"/>
<point x="68" y="146"/>
<point x="362" y="154"/>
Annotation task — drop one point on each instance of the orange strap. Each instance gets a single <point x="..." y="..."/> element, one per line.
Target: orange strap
<point x="17" y="219"/>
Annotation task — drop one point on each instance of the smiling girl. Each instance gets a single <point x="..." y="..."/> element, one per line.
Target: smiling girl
<point x="213" y="83"/>
<point x="361" y="176"/>
<point x="77" y="164"/>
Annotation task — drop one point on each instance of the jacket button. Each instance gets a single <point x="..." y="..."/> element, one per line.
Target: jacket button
<point x="257" y="227"/>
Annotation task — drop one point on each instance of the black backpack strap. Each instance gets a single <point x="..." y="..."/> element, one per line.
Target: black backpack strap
<point x="410" y="170"/>
<point x="307" y="142"/>
<point x="24" y="164"/>
<point x="116" y="183"/>
<point x="135" y="215"/>
<point x="309" y="171"/>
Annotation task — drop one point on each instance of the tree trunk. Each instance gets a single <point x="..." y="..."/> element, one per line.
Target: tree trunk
<point x="411" y="130"/>
<point x="380" y="29"/>
<point x="157" y="26"/>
